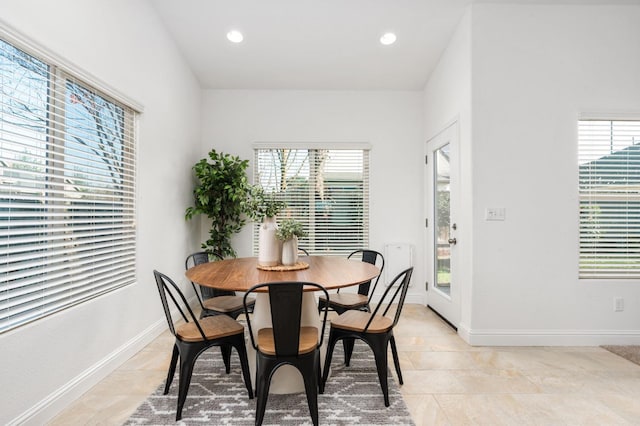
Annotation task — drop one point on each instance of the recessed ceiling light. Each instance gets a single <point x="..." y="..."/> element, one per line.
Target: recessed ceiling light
<point x="388" y="38"/>
<point x="235" y="36"/>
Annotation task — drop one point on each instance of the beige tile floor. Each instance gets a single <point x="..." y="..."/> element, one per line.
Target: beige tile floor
<point x="446" y="382"/>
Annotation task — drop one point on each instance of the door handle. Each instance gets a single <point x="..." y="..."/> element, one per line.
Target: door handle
<point x="453" y="241"/>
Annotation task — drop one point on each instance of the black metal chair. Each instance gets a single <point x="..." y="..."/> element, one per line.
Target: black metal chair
<point x="287" y="343"/>
<point x="374" y="329"/>
<point x="195" y="336"/>
<point x="214" y="301"/>
<point x="303" y="252"/>
<point x="342" y="302"/>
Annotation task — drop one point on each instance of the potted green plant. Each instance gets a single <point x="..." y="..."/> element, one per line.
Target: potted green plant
<point x="221" y="195"/>
<point x="262" y="207"/>
<point x="288" y="232"/>
<point x="262" y="204"/>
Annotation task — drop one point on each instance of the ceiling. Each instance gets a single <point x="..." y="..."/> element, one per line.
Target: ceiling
<point x="315" y="44"/>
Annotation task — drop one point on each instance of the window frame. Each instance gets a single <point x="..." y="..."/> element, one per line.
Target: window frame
<point x="60" y="75"/>
<point x="594" y="195"/>
<point x="311" y="243"/>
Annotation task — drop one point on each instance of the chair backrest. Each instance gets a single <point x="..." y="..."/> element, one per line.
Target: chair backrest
<point x="285" y="301"/>
<point x="373" y="257"/>
<point x="205" y="292"/>
<point x="166" y="286"/>
<point x="398" y="287"/>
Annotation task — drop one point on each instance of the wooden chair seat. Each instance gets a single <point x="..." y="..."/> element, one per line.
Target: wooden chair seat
<point x="341" y="302"/>
<point x="214" y="327"/>
<point x="347" y="300"/>
<point x="215" y="301"/>
<point x="223" y="304"/>
<point x="287" y="342"/>
<point x="376" y="330"/>
<point x="196" y="336"/>
<point x="308" y="340"/>
<point x="357" y="321"/>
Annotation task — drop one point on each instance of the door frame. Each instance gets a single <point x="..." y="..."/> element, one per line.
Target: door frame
<point x="446" y="306"/>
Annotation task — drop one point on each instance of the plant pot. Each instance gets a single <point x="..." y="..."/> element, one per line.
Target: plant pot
<point x="268" y="245"/>
<point x="290" y="252"/>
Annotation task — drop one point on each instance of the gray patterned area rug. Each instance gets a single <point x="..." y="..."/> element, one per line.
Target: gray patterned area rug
<point x="352" y="397"/>
<point x="630" y="353"/>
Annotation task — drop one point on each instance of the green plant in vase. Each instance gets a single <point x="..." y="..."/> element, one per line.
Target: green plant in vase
<point x="290" y="228"/>
<point x="288" y="232"/>
<point x="261" y="204"/>
<point x="262" y="207"/>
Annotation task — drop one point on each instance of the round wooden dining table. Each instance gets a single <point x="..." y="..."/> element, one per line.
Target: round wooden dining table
<point x="241" y="274"/>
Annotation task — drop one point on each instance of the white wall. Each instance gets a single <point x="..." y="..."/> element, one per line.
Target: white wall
<point x="390" y="121"/>
<point x="447" y="99"/>
<point x="47" y="364"/>
<point x="534" y="70"/>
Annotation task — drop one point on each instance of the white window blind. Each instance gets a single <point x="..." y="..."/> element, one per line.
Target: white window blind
<point x="67" y="190"/>
<point x="609" y="190"/>
<point x="326" y="189"/>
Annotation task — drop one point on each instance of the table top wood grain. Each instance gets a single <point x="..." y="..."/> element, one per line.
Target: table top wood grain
<point x="241" y="274"/>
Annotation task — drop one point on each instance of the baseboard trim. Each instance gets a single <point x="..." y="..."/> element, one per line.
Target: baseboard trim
<point x="57" y="401"/>
<point x="414" y="298"/>
<point x="548" y="337"/>
<point x="411" y="298"/>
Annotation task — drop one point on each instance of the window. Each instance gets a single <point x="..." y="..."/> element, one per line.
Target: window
<point x="609" y="174"/>
<point x="326" y="188"/>
<point x="67" y="229"/>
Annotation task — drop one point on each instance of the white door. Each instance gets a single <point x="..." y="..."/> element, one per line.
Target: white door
<point x="443" y="293"/>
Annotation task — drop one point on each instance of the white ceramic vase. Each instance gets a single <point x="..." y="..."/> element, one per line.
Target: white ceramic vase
<point x="290" y="251"/>
<point x="268" y="245"/>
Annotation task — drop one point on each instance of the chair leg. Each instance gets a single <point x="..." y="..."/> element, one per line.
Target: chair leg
<point x="321" y="304"/>
<point x="379" y="346"/>
<point x="263" y="381"/>
<point x="225" y="350"/>
<point x="327" y="360"/>
<point x="311" y="386"/>
<point x="347" y="344"/>
<point x="187" y="359"/>
<point x="319" y="376"/>
<point x="250" y="308"/>
<point x="244" y="364"/>
<point x="172" y="369"/>
<point x="396" y="360"/>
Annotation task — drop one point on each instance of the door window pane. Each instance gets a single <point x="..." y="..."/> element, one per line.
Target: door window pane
<point x="443" y="220"/>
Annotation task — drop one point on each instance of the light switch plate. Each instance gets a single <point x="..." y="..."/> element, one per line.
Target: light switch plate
<point x="495" y="213"/>
<point x="618" y="304"/>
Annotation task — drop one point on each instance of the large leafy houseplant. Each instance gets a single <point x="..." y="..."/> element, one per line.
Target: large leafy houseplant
<point x="221" y="195"/>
